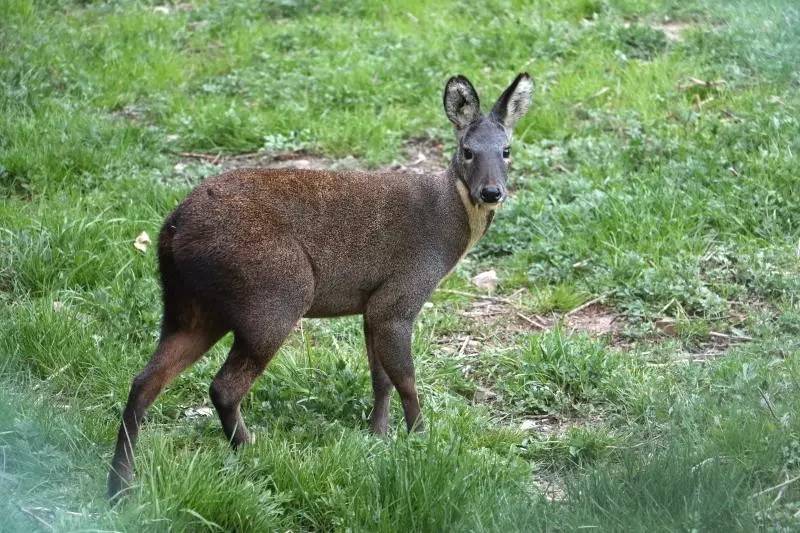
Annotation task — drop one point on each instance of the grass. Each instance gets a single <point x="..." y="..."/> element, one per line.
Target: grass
<point x="674" y="199"/>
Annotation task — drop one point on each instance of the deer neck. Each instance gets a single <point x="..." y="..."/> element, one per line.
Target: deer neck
<point x="479" y="216"/>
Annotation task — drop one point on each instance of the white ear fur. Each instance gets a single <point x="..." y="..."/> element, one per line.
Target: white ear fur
<point x="514" y="102"/>
<point x="461" y="103"/>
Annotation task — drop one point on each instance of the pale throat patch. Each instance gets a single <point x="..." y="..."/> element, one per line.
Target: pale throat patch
<point x="478" y="215"/>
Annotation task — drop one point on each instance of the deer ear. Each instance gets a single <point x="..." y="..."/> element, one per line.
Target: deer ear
<point x="514" y="102"/>
<point x="461" y="102"/>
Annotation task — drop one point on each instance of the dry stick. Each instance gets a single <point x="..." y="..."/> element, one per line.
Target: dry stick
<point x="531" y="321"/>
<point x="199" y="155"/>
<point x="669" y="303"/>
<point x="776" y="487"/>
<point x="778" y="497"/>
<point x="768" y="404"/>
<point x="464" y="346"/>
<point x="477" y="296"/>
<point x="527" y="319"/>
<point x="35" y="517"/>
<point x="215" y="158"/>
<point x="588" y="304"/>
<point x="729" y="337"/>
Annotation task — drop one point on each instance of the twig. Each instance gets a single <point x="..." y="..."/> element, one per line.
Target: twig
<point x="663" y="309"/>
<point x="719" y="335"/>
<point x="35" y="517"/>
<point x="517" y="292"/>
<point x="201" y="155"/>
<point x="247" y="155"/>
<point x="477" y="296"/>
<point x="768" y="404"/>
<point x="464" y="346"/>
<point x="588" y="304"/>
<point x="776" y="487"/>
<point x="531" y="321"/>
<point x="778" y="497"/>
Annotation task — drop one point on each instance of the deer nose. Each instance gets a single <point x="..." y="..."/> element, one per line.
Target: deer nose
<point x="490" y="194"/>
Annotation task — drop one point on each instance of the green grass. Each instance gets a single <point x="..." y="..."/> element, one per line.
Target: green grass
<point x="672" y="199"/>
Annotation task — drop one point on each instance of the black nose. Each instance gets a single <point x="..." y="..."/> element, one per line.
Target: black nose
<point x="491" y="194"/>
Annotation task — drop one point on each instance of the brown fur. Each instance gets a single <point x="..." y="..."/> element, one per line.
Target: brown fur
<point x="252" y="251"/>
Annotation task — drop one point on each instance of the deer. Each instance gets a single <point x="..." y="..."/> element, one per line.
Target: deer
<point x="252" y="251"/>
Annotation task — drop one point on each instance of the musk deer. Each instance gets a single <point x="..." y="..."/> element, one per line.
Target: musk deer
<point x="253" y="251"/>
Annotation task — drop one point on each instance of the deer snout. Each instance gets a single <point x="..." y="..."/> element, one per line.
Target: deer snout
<point x="491" y="194"/>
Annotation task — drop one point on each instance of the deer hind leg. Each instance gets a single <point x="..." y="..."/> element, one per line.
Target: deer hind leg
<point x="175" y="352"/>
<point x="381" y="386"/>
<point x="263" y="325"/>
<point x="246" y="361"/>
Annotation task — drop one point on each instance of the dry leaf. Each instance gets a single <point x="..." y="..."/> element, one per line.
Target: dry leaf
<point x="486" y="280"/>
<point x="666" y="326"/>
<point x="199" y="411"/>
<point x="142" y="242"/>
<point x="482" y="394"/>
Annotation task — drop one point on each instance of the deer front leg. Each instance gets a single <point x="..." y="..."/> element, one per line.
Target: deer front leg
<point x="391" y="342"/>
<point x="381" y="386"/>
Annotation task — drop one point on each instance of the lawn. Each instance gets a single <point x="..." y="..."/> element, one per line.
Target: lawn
<point x="636" y="367"/>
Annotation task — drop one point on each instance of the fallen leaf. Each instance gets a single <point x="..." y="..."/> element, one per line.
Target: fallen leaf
<point x="142" y="242"/>
<point x="482" y="394"/>
<point x="486" y="280"/>
<point x="666" y="326"/>
<point x="199" y="411"/>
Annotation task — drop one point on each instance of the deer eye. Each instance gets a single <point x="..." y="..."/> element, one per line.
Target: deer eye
<point x="506" y="152"/>
<point x="468" y="155"/>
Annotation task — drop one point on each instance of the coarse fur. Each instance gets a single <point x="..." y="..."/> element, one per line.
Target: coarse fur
<point x="253" y="251"/>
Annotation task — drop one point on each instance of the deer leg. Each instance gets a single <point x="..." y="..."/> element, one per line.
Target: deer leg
<point x="253" y="348"/>
<point x="391" y="340"/>
<point x="175" y="352"/>
<point x="381" y="387"/>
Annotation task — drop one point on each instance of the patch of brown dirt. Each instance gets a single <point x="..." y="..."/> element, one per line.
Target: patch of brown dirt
<point x="673" y="29"/>
<point x="595" y="320"/>
<point x="421" y="156"/>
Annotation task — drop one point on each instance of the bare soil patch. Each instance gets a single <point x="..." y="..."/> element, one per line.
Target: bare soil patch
<point x="420" y="156"/>
<point x="505" y="314"/>
<point x="596" y="320"/>
<point x="673" y="29"/>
